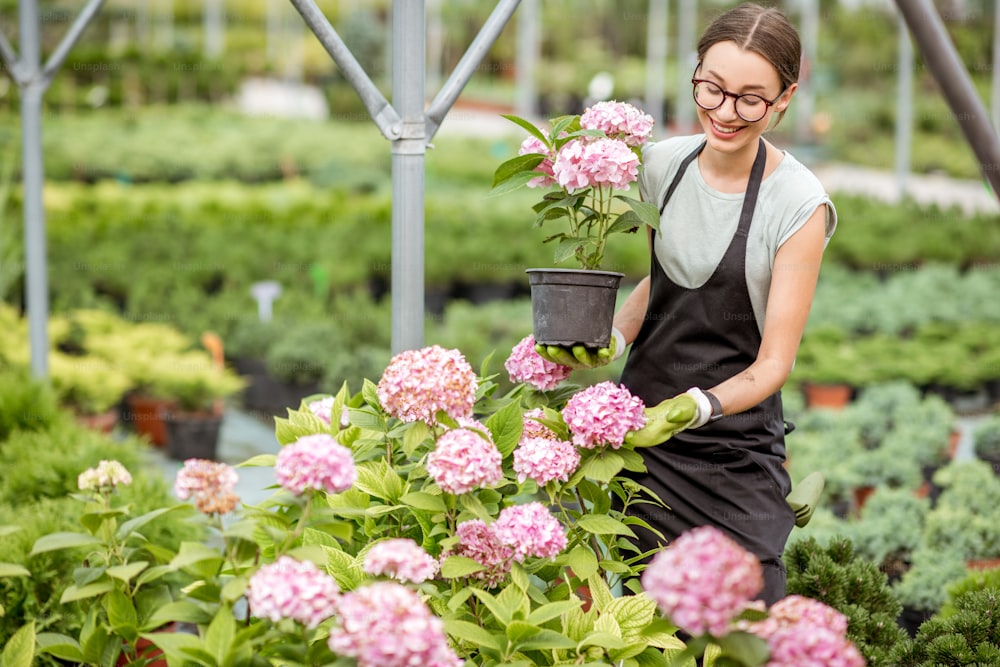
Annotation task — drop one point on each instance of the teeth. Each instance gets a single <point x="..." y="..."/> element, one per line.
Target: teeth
<point x="725" y="130"/>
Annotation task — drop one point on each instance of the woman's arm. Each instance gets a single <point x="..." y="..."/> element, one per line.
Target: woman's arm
<point x="793" y="283"/>
<point x="631" y="315"/>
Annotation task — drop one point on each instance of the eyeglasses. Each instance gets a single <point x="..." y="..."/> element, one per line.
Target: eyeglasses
<point x="749" y="106"/>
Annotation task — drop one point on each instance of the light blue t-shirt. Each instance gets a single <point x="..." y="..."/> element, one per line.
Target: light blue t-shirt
<point x="699" y="221"/>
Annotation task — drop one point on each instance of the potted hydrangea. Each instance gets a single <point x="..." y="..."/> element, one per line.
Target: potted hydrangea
<point x="583" y="163"/>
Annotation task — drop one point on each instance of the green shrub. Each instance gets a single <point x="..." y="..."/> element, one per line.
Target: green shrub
<point x="25" y="404"/>
<point x="837" y="576"/>
<point x="969" y="637"/>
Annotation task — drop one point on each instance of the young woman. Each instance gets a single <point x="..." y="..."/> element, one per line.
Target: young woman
<point x="716" y="325"/>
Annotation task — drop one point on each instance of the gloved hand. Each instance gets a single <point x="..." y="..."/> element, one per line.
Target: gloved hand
<point x="805" y="496"/>
<point x="665" y="420"/>
<point x="580" y="356"/>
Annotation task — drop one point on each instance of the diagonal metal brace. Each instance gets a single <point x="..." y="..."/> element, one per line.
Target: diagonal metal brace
<point x="467" y="65"/>
<point x="69" y="40"/>
<point x="385" y="117"/>
<point x="11" y="61"/>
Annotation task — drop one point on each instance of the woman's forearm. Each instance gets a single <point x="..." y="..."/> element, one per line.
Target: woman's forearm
<point x="632" y="314"/>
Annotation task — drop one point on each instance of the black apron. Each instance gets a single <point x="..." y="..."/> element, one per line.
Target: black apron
<point x="728" y="473"/>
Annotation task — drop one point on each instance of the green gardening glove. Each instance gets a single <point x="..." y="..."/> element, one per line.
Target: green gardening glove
<point x="580" y="356"/>
<point x="665" y="420"/>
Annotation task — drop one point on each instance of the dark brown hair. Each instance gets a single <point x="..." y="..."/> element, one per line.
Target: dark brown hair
<point x="763" y="30"/>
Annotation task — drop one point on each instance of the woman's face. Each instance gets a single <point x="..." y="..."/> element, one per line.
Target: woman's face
<point x="737" y="71"/>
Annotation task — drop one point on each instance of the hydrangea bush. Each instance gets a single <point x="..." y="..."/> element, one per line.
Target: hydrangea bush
<point x="426" y="520"/>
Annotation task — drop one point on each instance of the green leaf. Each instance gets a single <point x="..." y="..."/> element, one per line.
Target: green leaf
<point x="459" y="566"/>
<point x="128" y="571"/>
<point x="519" y="577"/>
<point x="552" y="610"/>
<point x="505" y="426"/>
<point x="602" y="639"/>
<point x="181" y="611"/>
<point x="14" y="570"/>
<point x="57" y="541"/>
<point x="500" y="612"/>
<point x="603" y="466"/>
<point x="259" y="461"/>
<point x="72" y="593"/>
<point x="366" y="418"/>
<point x="180" y="647"/>
<point x="195" y="553"/>
<point x="9" y="530"/>
<point x="20" y="648"/>
<point x="220" y="634"/>
<point x="602" y="524"/>
<point x="600" y="593"/>
<point x="516" y="165"/>
<point x="527" y="125"/>
<point x="633" y="613"/>
<point x="414" y="436"/>
<point x="369" y="393"/>
<point x="545" y="640"/>
<point x="626" y="222"/>
<point x="513" y="183"/>
<point x="647" y="212"/>
<point x="567" y="248"/>
<point x="582" y="561"/>
<point x="122" y="617"/>
<point x="61" y="646"/>
<point x="471" y="633"/>
<point x="427" y="502"/>
<point x="747" y="647"/>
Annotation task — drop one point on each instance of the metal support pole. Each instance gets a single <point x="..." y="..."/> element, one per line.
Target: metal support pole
<point x="687" y="16"/>
<point x="904" y="110"/>
<point x="408" y="176"/>
<point x="435" y="43"/>
<point x="656" y="59"/>
<point x="944" y="63"/>
<point x="466" y="67"/>
<point x="385" y="117"/>
<point x="528" y="44"/>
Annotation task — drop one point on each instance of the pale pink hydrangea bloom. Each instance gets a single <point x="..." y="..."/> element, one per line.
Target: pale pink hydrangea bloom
<point x="105" y="475"/>
<point x="211" y="484"/>
<point x="322" y="409"/>
<point x="464" y="460"/>
<point x="602" y="414"/>
<point x="532" y="428"/>
<point x="603" y="162"/>
<point x="418" y="383"/>
<point x="315" y="462"/>
<point x="531" y="530"/>
<point x="478" y="541"/>
<point x="619" y="120"/>
<point x="386" y="624"/>
<point x="401" y="559"/>
<point x="525" y="365"/>
<point x="802" y="632"/>
<point x="703" y="581"/>
<point x="533" y="145"/>
<point x="293" y="589"/>
<point x="545" y="459"/>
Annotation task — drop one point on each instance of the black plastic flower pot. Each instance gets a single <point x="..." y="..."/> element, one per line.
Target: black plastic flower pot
<point x="573" y="306"/>
<point x="193" y="436"/>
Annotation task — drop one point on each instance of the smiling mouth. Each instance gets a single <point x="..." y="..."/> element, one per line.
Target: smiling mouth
<point x="725" y="130"/>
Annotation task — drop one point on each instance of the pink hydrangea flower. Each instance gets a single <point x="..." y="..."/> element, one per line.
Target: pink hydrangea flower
<point x="386" y="624"/>
<point x="525" y="365"/>
<point x="322" y="409"/>
<point x="478" y="541"/>
<point x="545" y="459"/>
<point x="802" y="632"/>
<point x="703" y="581"/>
<point x="105" y="475"/>
<point x="292" y="589"/>
<point x="401" y="559"/>
<point x="602" y="414"/>
<point x="603" y="162"/>
<point x="619" y="120"/>
<point x="418" y="383"/>
<point x="315" y="462"/>
<point x="532" y="428"/>
<point x="531" y="530"/>
<point x="534" y="145"/>
<point x="211" y="484"/>
<point x="464" y="460"/>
